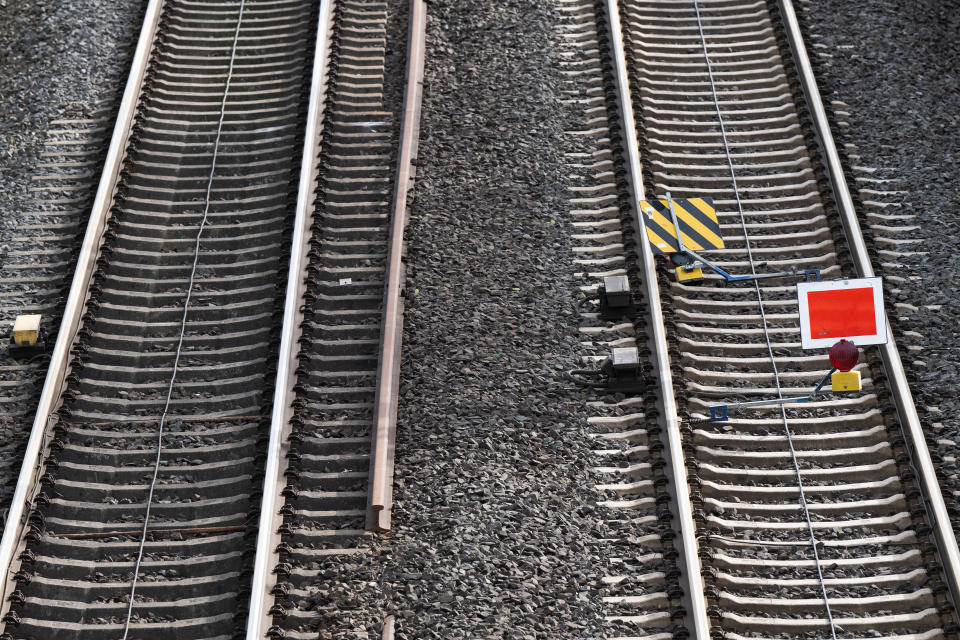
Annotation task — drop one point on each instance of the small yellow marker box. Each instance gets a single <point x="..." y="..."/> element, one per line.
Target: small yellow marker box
<point x="683" y="275"/>
<point x="845" y="381"/>
<point x="26" y="330"/>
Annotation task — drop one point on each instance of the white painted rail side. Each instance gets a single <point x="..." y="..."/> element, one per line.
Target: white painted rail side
<point x="899" y="386"/>
<point x="692" y="581"/>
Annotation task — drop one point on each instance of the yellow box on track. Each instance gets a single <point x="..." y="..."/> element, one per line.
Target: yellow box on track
<point x="845" y="381"/>
<point x="26" y="330"/>
<point x="686" y="276"/>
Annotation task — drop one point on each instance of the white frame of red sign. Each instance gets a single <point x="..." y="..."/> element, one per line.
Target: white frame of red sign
<point x="809" y="342"/>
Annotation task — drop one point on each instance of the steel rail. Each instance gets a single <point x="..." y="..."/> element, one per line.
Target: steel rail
<point x="899" y="386"/>
<point x="389" y="622"/>
<point x="380" y="502"/>
<point x="50" y="396"/>
<point x="263" y="579"/>
<point x="698" y="623"/>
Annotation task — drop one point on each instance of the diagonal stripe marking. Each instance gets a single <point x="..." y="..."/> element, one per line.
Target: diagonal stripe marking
<point x="666" y="224"/>
<point x="696" y="225"/>
<point x="658" y="242"/>
<point x="706" y="207"/>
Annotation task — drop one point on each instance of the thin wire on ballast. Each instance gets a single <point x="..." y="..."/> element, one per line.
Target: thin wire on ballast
<point x="183" y="321"/>
<point x="763" y="319"/>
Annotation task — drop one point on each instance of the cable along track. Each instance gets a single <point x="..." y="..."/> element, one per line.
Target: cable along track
<point x="874" y="562"/>
<point x="181" y="320"/>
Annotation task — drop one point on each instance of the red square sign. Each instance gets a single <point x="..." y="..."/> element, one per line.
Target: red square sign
<point x="839" y="313"/>
<point x="851" y="309"/>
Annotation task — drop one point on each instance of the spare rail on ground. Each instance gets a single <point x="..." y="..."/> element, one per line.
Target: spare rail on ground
<point x="382" y="442"/>
<point x="380" y="504"/>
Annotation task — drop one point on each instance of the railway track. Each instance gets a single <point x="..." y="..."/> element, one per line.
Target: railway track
<point x="720" y="97"/>
<point x="165" y="409"/>
<point x="180" y="472"/>
<point x="175" y="340"/>
<point x="642" y="583"/>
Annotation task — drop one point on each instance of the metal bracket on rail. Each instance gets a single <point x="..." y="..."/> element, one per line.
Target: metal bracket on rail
<point x="843" y="358"/>
<point x="720" y="412"/>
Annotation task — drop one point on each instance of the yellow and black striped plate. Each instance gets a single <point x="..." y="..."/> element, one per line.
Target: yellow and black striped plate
<point x="698" y="224"/>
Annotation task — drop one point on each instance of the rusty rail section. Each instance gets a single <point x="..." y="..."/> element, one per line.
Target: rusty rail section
<point x="384" y="433"/>
<point x="380" y="502"/>
<point x="388" y="628"/>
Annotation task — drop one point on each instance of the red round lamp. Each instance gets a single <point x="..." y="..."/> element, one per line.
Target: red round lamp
<point x="844" y="355"/>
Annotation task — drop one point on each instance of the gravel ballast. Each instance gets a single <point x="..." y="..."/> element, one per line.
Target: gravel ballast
<point x="494" y="519"/>
<point x="58" y="61"/>
<point x="52" y="54"/>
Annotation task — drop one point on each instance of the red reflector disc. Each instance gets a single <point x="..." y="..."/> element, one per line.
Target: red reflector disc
<point x="844" y="355"/>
